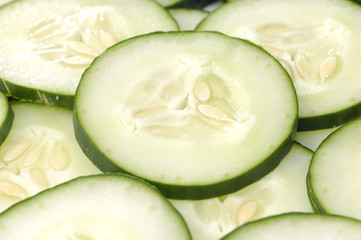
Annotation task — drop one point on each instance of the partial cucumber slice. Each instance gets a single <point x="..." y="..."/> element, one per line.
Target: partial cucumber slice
<point x="283" y="190"/>
<point x="318" y="43"/>
<point x="187" y="19"/>
<point x="40" y="152"/>
<point x="193" y="121"/>
<point x="299" y="226"/>
<point x="6" y="118"/>
<point x="313" y="139"/>
<point x="334" y="175"/>
<point x="95" y="207"/>
<point x="45" y="46"/>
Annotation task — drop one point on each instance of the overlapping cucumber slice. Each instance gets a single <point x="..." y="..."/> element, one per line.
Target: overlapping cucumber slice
<point x="283" y="190"/>
<point x="318" y="43"/>
<point x="299" y="226"/>
<point x="198" y="114"/>
<point x="45" y="46"/>
<point x="95" y="207"/>
<point x="40" y="152"/>
<point x="334" y="175"/>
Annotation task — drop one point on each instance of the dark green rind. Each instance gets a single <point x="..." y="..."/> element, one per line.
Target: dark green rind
<point x="59" y="187"/>
<point x="329" y="120"/>
<point x="315" y="202"/>
<point x="27" y="94"/>
<point x="198" y="4"/>
<point x="313" y="199"/>
<point x="234" y="233"/>
<point x="187" y="192"/>
<point x="7" y="123"/>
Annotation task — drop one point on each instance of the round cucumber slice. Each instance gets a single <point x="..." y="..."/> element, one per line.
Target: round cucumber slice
<point x="282" y="190"/>
<point x="199" y="114"/>
<point x="6" y="117"/>
<point x="95" y="207"/>
<point x="334" y="174"/>
<point x="187" y="19"/>
<point x="318" y="43"/>
<point x="45" y="46"/>
<point x="40" y="152"/>
<point x="299" y="226"/>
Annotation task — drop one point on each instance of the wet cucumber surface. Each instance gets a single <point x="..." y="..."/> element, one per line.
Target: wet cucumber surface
<point x="197" y="103"/>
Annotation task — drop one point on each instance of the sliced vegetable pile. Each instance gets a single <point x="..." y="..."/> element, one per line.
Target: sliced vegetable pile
<point x="117" y="124"/>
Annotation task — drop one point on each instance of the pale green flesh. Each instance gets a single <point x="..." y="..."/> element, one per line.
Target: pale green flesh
<point x="283" y="190"/>
<point x="160" y="121"/>
<point x="112" y="207"/>
<point x="334" y="176"/>
<point x="316" y="41"/>
<point x="300" y="226"/>
<point x="40" y="152"/>
<point x="54" y="41"/>
<point x="188" y="19"/>
<point x="313" y="139"/>
<point x="4" y="1"/>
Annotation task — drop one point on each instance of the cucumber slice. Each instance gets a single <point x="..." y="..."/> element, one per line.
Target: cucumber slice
<point x="299" y="226"/>
<point x="41" y="151"/>
<point x="6" y="118"/>
<point x="95" y="207"/>
<point x="313" y="139"/>
<point x="318" y="43"/>
<point x="45" y="46"/>
<point x="334" y="174"/>
<point x="187" y="19"/>
<point x="193" y="121"/>
<point x="283" y="190"/>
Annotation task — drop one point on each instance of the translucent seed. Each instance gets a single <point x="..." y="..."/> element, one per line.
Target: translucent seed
<point x="246" y="212"/>
<point x="53" y="54"/>
<point x="302" y="65"/>
<point x="33" y="156"/>
<point x="81" y="48"/>
<point x="202" y="91"/>
<point x="15" y="151"/>
<point x="107" y="39"/>
<point x="43" y="28"/>
<point x="327" y="67"/>
<point x="98" y="24"/>
<point x="164" y="131"/>
<point x="79" y="236"/>
<point x="216" y="85"/>
<point x="78" y="61"/>
<point x="126" y="120"/>
<point x="12" y="189"/>
<point x="56" y="38"/>
<point x="39" y="177"/>
<point x="212" y="112"/>
<point x="149" y="112"/>
<point x="59" y="158"/>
